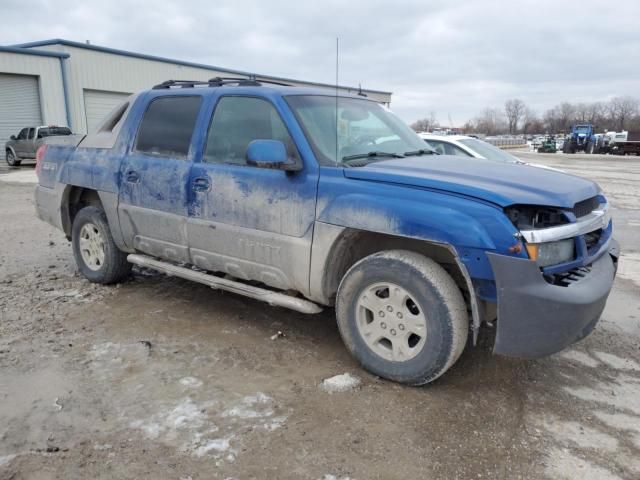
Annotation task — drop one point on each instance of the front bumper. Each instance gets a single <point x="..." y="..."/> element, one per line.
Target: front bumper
<point x="536" y="318"/>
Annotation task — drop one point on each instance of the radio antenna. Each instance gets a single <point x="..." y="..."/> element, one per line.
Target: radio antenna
<point x="337" y="67"/>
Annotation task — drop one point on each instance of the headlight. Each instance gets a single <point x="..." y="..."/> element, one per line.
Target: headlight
<point x="551" y="253"/>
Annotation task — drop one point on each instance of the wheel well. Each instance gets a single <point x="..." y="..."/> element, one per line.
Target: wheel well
<point x="76" y="199"/>
<point x="353" y="245"/>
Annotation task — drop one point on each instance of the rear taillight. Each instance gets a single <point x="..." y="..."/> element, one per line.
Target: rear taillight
<point x="39" y="157"/>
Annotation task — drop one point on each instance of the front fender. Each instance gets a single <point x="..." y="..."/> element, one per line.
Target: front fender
<point x="471" y="226"/>
<point x="438" y="223"/>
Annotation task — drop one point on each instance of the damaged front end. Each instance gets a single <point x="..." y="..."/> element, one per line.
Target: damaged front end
<point x="555" y="297"/>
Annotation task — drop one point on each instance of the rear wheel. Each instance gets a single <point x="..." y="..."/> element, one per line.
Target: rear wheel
<point x="402" y="316"/>
<point x="96" y="254"/>
<point x="12" y="160"/>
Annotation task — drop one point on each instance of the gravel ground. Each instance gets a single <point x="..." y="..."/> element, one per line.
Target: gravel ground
<point x="162" y="378"/>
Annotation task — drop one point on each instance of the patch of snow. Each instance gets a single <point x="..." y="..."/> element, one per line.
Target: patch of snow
<point x="569" y="433"/>
<point x="564" y="465"/>
<point x="20" y="176"/>
<point x="340" y="383"/>
<point x="274" y="423"/>
<point x="219" y="445"/>
<point x="629" y="267"/>
<point x="580" y="357"/>
<point x="624" y="393"/>
<point x="190" y="382"/>
<point x="245" y="411"/>
<point x="185" y="415"/>
<point x="616" y="362"/>
<point x="619" y="421"/>
<point x="257" y="398"/>
<point x="105" y="446"/>
<point x="6" y="459"/>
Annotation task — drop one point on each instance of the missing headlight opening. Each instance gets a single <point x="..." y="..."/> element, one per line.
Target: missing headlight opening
<point x="526" y="217"/>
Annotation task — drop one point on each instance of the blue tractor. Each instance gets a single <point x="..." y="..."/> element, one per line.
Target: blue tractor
<point x="581" y="139"/>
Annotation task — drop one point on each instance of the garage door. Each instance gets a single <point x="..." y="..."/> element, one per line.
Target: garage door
<point x="19" y="105"/>
<point x="98" y="104"/>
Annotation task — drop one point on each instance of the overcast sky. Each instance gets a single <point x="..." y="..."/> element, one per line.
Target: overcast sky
<point x="453" y="58"/>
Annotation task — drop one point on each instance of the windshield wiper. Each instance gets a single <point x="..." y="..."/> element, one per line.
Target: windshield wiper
<point x="422" y="151"/>
<point x="372" y="154"/>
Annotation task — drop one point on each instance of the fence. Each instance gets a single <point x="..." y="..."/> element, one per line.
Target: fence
<point x="505" y="142"/>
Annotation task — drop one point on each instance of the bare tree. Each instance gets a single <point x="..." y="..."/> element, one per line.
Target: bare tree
<point x="514" y="110"/>
<point x="426" y="124"/>
<point x="621" y="110"/>
<point x="490" y="122"/>
<point x="531" y="123"/>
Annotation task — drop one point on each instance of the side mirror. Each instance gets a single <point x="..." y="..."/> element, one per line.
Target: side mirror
<point x="12" y="137"/>
<point x="269" y="154"/>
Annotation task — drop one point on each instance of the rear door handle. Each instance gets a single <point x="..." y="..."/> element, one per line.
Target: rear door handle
<point x="201" y="184"/>
<point x="132" y="176"/>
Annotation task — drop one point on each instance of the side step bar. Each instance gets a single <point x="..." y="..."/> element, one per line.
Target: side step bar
<point x="217" y="283"/>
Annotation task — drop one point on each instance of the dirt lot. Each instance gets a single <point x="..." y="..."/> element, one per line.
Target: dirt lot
<point x="161" y="378"/>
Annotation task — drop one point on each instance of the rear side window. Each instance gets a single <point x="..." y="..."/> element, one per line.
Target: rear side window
<point x="167" y="126"/>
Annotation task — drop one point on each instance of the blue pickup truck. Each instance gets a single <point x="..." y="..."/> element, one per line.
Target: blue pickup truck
<point x="302" y="199"/>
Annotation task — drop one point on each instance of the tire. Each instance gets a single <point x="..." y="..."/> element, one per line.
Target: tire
<point x="97" y="256"/>
<point x="12" y="160"/>
<point x="415" y="295"/>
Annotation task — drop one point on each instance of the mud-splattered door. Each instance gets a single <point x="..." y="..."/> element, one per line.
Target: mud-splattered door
<point x="153" y="196"/>
<point x="253" y="223"/>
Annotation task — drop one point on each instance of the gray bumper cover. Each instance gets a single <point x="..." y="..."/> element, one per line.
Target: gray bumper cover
<point x="535" y="318"/>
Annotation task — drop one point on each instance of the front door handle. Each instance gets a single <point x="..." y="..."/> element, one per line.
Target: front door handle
<point x="132" y="176"/>
<point x="201" y="184"/>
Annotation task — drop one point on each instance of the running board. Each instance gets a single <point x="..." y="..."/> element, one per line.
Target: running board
<point x="217" y="283"/>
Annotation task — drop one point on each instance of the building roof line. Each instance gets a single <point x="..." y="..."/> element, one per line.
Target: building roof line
<point x="126" y="53"/>
<point x="40" y="53"/>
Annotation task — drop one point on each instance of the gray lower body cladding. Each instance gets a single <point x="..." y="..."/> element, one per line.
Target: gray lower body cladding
<point x="536" y="318"/>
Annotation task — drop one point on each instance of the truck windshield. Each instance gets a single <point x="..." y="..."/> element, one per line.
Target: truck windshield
<point x="364" y="129"/>
<point x="53" y="131"/>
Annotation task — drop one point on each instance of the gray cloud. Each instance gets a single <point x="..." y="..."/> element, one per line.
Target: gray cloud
<point x="453" y="58"/>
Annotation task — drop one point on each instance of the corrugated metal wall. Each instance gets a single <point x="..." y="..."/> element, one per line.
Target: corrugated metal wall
<point x="19" y="105"/>
<point x="94" y="70"/>
<point x="49" y="74"/>
<point x="98" y="104"/>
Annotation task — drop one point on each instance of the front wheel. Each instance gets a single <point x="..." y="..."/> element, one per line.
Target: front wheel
<point x="96" y="254"/>
<point x="12" y="160"/>
<point x="402" y="316"/>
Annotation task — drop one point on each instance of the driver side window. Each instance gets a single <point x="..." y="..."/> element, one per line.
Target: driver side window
<point x="23" y="134"/>
<point x="237" y="121"/>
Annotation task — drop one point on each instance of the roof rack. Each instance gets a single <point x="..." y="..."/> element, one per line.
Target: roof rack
<point x="218" y="82"/>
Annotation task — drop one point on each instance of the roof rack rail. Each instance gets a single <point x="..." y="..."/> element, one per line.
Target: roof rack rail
<point x="218" y="82"/>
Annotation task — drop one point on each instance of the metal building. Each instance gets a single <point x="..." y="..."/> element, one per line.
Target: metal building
<point x="65" y="83"/>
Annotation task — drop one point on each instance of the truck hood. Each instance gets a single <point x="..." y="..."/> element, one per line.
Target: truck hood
<point x="503" y="184"/>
